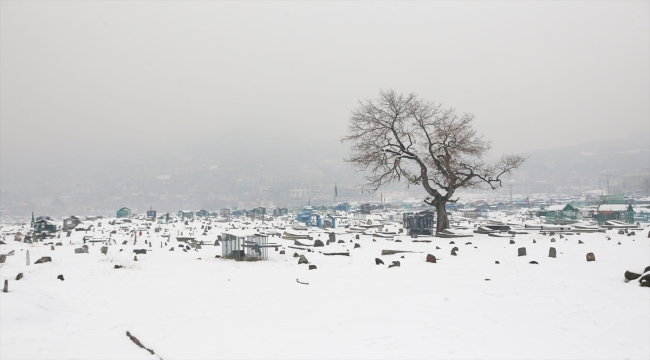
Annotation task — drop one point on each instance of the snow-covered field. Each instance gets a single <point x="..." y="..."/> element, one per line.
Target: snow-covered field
<point x="191" y="305"/>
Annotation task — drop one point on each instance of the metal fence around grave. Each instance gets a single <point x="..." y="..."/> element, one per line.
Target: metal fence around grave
<point x="244" y="248"/>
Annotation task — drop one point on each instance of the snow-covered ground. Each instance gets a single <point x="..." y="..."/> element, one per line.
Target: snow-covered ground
<point x="191" y="305"/>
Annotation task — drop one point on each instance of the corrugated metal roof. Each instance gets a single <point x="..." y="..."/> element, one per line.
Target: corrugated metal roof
<point x="555" y="208"/>
<point x="613" y="207"/>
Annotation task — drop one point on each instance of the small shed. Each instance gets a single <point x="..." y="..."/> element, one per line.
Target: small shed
<point x="420" y="223"/>
<point x="124" y="212"/>
<point x="474" y="213"/>
<point x="70" y="223"/>
<point x="244" y="245"/>
<point x="44" y="226"/>
<point x="560" y="214"/>
<point x="621" y="212"/>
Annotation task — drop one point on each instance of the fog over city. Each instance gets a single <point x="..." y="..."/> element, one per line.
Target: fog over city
<point x="324" y="179"/>
<point x="208" y="104"/>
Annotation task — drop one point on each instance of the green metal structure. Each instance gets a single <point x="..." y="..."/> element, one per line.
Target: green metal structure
<point x="124" y="212"/>
<point x="620" y="212"/>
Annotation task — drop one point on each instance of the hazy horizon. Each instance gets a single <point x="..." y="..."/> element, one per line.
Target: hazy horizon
<point x="96" y="87"/>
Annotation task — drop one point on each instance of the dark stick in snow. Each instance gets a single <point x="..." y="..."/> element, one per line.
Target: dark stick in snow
<point x="137" y="342"/>
<point x="298" y="281"/>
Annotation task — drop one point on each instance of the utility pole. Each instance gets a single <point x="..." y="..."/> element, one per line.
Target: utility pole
<point x="510" y="186"/>
<point x="607" y="177"/>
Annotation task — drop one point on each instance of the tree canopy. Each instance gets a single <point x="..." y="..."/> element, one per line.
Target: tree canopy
<point x="398" y="136"/>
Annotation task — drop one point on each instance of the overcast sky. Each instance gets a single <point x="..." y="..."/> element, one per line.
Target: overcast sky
<point x="107" y="79"/>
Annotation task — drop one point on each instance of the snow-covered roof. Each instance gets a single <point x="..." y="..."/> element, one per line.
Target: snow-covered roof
<point x="555" y="208"/>
<point x="240" y="232"/>
<point x="613" y="207"/>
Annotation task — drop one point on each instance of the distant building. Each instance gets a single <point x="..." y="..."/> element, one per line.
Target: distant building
<point x="280" y="211"/>
<point x="203" y="213"/>
<point x="560" y="214"/>
<point x="620" y="212"/>
<point x="124" y="212"/>
<point x="238" y="213"/>
<point x="151" y="214"/>
<point x="224" y="213"/>
<point x="342" y="207"/>
<point x="612" y="199"/>
<point x="186" y="214"/>
<point x="474" y="213"/>
<point x="257" y="213"/>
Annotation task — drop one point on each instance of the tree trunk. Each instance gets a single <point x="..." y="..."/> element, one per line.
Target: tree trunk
<point x="443" y="221"/>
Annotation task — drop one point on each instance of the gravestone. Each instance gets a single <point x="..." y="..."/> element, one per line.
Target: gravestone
<point x="591" y="257"/>
<point x="631" y="276"/>
<point x="431" y="258"/>
<point x="357" y="246"/>
<point x="42" y="260"/>
<point x="3" y="258"/>
<point x="318" y="243"/>
<point x="104" y="250"/>
<point x="512" y="241"/>
<point x="521" y="251"/>
<point x="552" y="252"/>
<point x="19" y="276"/>
<point x="28" y="257"/>
<point x="378" y="261"/>
<point x="302" y="260"/>
<point x="394" y="264"/>
<point x="312" y="267"/>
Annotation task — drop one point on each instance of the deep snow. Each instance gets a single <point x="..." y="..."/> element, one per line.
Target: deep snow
<point x="186" y="308"/>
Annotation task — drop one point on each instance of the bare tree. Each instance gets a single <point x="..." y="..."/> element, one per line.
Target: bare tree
<point x="401" y="136"/>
